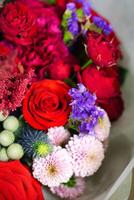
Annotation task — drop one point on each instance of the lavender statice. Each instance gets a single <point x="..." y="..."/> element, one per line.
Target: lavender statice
<point x="102" y="24"/>
<point x="85" y="6"/>
<point x="72" y="21"/>
<point x="85" y="113"/>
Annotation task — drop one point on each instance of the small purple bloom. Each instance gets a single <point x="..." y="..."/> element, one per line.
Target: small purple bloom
<point x="84" y="111"/>
<point x="73" y="26"/>
<point x="86" y="8"/>
<point x="102" y="24"/>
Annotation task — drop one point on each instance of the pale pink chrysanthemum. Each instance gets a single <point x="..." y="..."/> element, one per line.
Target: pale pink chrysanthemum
<point x="87" y="154"/>
<point x="102" y="129"/>
<point x="105" y="144"/>
<point x="54" y="169"/>
<point x="58" y="135"/>
<point x="66" y="192"/>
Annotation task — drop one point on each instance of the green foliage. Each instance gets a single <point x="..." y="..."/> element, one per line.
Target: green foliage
<point x="123" y="74"/>
<point x="71" y="183"/>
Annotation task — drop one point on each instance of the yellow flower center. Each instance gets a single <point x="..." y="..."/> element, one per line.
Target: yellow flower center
<point x="52" y="170"/>
<point x="43" y="149"/>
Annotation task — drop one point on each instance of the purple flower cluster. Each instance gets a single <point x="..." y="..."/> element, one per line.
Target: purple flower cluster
<point x="102" y="24"/>
<point x="73" y="26"/>
<point x="84" y="111"/>
<point x="85" y="6"/>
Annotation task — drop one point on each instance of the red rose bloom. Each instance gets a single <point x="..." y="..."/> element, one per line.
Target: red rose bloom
<point x="16" y="182"/>
<point x="18" y="23"/>
<point x="46" y="104"/>
<point x="102" y="49"/>
<point x="104" y="82"/>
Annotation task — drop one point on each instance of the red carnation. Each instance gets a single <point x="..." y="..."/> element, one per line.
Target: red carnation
<point x="18" y="23"/>
<point x="16" y="182"/>
<point x="102" y="49"/>
<point x="104" y="82"/>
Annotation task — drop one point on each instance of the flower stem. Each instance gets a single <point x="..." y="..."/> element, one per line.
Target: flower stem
<point x="89" y="62"/>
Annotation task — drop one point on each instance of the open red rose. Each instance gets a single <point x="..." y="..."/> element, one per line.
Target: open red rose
<point x="104" y="82"/>
<point x="46" y="104"/>
<point x="102" y="49"/>
<point x="16" y="182"/>
<point x="18" y="23"/>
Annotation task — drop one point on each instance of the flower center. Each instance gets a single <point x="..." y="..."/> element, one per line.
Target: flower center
<point x="52" y="170"/>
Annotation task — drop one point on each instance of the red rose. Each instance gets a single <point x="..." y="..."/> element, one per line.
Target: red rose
<point x="16" y="182"/>
<point x="102" y="49"/>
<point x="114" y="106"/>
<point x="46" y="104"/>
<point x="18" y="23"/>
<point x="104" y="82"/>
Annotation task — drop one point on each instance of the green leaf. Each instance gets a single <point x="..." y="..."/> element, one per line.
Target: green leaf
<point x="71" y="183"/>
<point x="70" y="82"/>
<point x="79" y="13"/>
<point x="123" y="74"/>
<point x="68" y="36"/>
<point x="51" y="1"/>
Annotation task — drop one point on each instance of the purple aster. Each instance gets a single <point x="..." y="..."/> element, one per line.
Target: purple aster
<point x="102" y="24"/>
<point x="84" y="111"/>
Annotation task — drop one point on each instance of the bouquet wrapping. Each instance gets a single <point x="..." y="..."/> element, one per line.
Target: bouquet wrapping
<point x="60" y="88"/>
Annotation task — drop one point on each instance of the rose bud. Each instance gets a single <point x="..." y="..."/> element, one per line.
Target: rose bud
<point x="102" y="49"/>
<point x="60" y="70"/>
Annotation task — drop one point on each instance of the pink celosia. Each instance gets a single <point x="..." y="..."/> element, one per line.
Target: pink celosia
<point x="13" y="89"/>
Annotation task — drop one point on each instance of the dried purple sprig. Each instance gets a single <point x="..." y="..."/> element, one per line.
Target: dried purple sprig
<point x="102" y="24"/>
<point x="85" y="114"/>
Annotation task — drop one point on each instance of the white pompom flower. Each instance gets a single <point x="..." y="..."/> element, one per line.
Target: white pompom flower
<point x="58" y="135"/>
<point x="87" y="154"/>
<point x="53" y="169"/>
<point x="102" y="129"/>
<point x="70" y="192"/>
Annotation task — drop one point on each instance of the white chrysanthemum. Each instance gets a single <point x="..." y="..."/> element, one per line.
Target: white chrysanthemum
<point x="87" y="154"/>
<point x="58" y="135"/>
<point x="102" y="129"/>
<point x="54" y="169"/>
<point x="63" y="191"/>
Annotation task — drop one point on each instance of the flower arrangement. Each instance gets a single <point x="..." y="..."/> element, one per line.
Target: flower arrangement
<point x="60" y="86"/>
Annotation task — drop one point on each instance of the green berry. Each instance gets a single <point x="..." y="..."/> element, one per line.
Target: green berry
<point x="6" y="138"/>
<point x="15" y="151"/>
<point x="11" y="123"/>
<point x="3" y="155"/>
<point x="3" y="116"/>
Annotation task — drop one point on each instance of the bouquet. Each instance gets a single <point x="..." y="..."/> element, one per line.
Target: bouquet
<point x="60" y="83"/>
